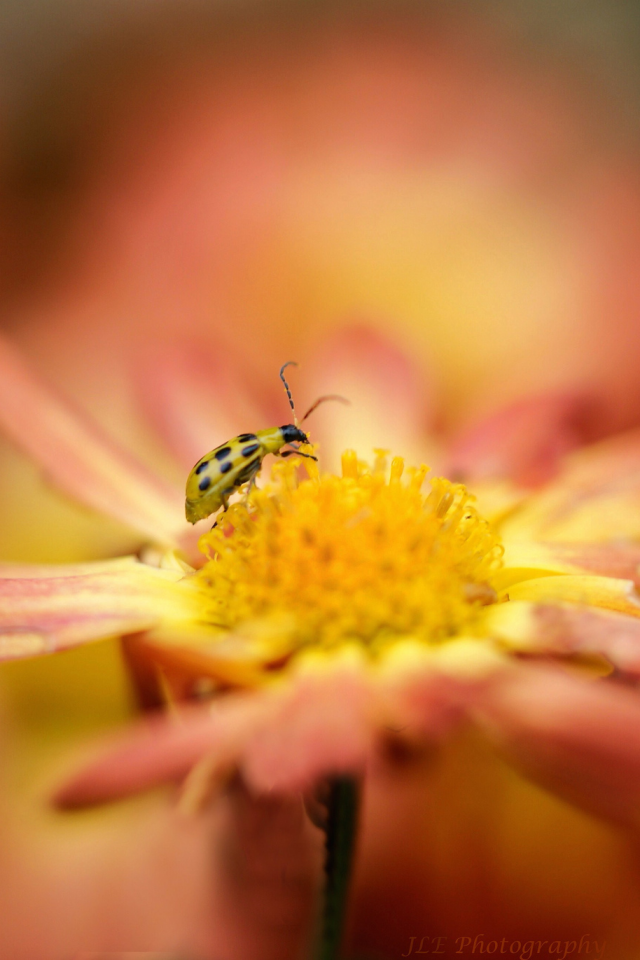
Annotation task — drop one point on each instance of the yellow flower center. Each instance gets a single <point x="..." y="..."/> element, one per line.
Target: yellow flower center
<point x="367" y="557"/>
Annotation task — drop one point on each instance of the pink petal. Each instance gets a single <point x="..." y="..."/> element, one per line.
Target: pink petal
<point x="526" y="559"/>
<point x="580" y="739"/>
<point x="619" y="560"/>
<point x="564" y="629"/>
<point x="320" y="724"/>
<point x="388" y="392"/>
<point x="282" y="738"/>
<point x="195" y="398"/>
<point x="160" y="750"/>
<point x="323" y="718"/>
<point x="57" y="607"/>
<point x="570" y="629"/>
<point x="426" y="692"/>
<point x="79" y="458"/>
<point x="595" y="497"/>
<point x="524" y="442"/>
<point x="429" y="704"/>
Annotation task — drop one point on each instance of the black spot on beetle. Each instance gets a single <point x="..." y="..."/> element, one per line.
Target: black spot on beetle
<point x="202" y="466"/>
<point x="222" y="453"/>
<point x="247" y="451"/>
<point x="225" y="467"/>
<point x="244" y="437"/>
<point x="204" y="483"/>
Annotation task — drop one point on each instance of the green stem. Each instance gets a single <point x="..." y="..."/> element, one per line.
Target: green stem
<point x="340" y="846"/>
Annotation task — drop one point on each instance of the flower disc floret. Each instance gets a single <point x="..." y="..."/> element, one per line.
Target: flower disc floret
<point x="366" y="557"/>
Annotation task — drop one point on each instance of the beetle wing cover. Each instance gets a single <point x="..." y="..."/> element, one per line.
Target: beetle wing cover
<point x="216" y="475"/>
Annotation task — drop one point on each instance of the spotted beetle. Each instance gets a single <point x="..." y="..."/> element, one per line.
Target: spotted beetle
<point x="238" y="461"/>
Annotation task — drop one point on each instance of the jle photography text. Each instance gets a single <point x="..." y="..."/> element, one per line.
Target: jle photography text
<point x="520" y="949"/>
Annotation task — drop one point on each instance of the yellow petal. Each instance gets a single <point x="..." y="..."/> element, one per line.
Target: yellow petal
<point x="590" y="591"/>
<point x="526" y="560"/>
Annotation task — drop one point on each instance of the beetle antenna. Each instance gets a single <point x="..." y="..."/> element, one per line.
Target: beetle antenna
<point x="329" y="396"/>
<point x="289" y="363"/>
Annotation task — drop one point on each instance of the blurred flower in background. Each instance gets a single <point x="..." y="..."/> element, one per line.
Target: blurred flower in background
<point x="250" y="178"/>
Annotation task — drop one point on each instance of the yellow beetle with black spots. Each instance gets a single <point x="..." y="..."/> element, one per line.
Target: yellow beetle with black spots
<point x="238" y="461"/>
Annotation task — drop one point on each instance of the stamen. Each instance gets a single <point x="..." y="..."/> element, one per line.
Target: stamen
<point x="365" y="557"/>
<point x="397" y="469"/>
<point x="350" y="465"/>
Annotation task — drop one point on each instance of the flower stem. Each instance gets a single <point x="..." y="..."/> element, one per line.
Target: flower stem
<point x="340" y="846"/>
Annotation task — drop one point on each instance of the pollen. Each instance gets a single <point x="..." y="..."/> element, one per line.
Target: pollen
<point x="377" y="555"/>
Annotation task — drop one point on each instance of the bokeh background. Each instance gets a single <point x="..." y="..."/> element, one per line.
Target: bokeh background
<point x="247" y="180"/>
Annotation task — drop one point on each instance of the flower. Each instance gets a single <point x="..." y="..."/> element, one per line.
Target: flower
<point x="531" y="591"/>
<point x="335" y="615"/>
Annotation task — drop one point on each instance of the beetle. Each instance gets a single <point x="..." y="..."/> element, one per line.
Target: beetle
<point x="238" y="461"/>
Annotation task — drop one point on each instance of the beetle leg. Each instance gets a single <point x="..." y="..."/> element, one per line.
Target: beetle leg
<point x="252" y="483"/>
<point x="249" y="476"/>
<point x="288" y="452"/>
<point x="225" y="507"/>
<point x="247" y="492"/>
<point x="299" y="453"/>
